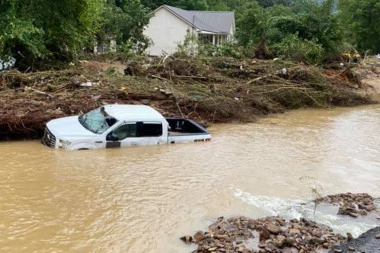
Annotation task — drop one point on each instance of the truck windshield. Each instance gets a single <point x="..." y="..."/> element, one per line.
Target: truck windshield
<point x="96" y="121"/>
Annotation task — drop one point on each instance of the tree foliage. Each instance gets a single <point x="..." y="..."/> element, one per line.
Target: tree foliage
<point x="361" y="21"/>
<point x="124" y="21"/>
<point x="303" y="23"/>
<point x="57" y="29"/>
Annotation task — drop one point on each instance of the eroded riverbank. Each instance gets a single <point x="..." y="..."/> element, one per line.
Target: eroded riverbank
<point x="210" y="90"/>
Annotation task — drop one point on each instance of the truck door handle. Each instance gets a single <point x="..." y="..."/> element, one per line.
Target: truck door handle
<point x="98" y="142"/>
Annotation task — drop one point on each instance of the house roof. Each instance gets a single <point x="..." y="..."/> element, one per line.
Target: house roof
<point x="208" y="21"/>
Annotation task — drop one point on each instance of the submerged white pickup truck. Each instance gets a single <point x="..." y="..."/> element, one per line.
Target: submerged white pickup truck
<point x="115" y="126"/>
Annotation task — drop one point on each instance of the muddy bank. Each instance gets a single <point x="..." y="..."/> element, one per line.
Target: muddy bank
<point x="275" y="234"/>
<point x="207" y="90"/>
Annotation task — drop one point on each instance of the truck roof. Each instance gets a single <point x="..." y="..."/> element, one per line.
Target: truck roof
<point x="133" y="112"/>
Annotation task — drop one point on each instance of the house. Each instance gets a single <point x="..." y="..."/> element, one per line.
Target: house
<point x="169" y="27"/>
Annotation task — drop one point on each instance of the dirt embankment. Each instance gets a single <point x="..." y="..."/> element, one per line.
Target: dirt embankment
<point x="205" y="89"/>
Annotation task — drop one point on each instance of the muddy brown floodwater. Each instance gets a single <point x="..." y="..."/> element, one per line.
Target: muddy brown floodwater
<point x="143" y="199"/>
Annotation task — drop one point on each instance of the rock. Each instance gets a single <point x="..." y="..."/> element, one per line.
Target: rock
<point x="187" y="239"/>
<point x="252" y="224"/>
<point x="290" y="250"/>
<point x="264" y="235"/>
<point x="366" y="201"/>
<point x="198" y="236"/>
<point x="325" y="245"/>
<point x="145" y="101"/>
<point x="75" y="81"/>
<point x="262" y="245"/>
<point x="317" y="232"/>
<point x="296" y="226"/>
<point x="370" y="208"/>
<point x="377" y="236"/>
<point x="280" y="241"/>
<point x="274" y="229"/>
<point x="355" y="215"/>
<point x="349" y="237"/>
<point x="338" y="250"/>
<point x="294" y="231"/>
<point x="351" y="248"/>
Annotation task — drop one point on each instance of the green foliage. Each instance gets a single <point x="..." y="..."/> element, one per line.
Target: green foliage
<point x="295" y="48"/>
<point x="229" y="49"/>
<point x="124" y="21"/>
<point x="252" y="23"/>
<point x="41" y="29"/>
<point x="269" y="3"/>
<point x="183" y="4"/>
<point x="59" y="29"/>
<point x="361" y="20"/>
<point x="310" y="25"/>
<point x="17" y="31"/>
<point x="190" y="45"/>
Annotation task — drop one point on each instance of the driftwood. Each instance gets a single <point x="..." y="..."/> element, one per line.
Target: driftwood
<point x="191" y="77"/>
<point x="39" y="92"/>
<point x="158" y="77"/>
<point x="257" y="79"/>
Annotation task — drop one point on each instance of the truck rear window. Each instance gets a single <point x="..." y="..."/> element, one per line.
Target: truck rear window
<point x="149" y="129"/>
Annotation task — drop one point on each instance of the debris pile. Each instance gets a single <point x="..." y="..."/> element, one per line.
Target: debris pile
<point x="352" y="204"/>
<point x="271" y="234"/>
<point x="204" y="89"/>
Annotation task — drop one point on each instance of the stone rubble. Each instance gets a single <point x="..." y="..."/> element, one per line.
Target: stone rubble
<point x="274" y="234"/>
<point x="352" y="204"/>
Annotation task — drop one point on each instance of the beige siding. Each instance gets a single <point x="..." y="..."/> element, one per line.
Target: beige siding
<point x="166" y="31"/>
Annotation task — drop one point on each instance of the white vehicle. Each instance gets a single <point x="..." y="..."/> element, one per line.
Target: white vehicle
<point x="115" y="126"/>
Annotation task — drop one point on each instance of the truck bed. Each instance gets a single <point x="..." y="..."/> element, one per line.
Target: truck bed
<point x="185" y="130"/>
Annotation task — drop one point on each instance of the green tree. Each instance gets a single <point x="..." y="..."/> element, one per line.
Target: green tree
<point x="251" y="24"/>
<point x="269" y="3"/>
<point x="310" y="24"/>
<point x="47" y="29"/>
<point x="361" y="20"/>
<point x="18" y="32"/>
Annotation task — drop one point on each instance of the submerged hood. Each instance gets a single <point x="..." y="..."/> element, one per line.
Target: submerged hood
<point x="68" y="126"/>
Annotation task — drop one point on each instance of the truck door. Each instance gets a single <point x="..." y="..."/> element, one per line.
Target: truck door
<point x="124" y="135"/>
<point x="151" y="133"/>
<point x="136" y="133"/>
